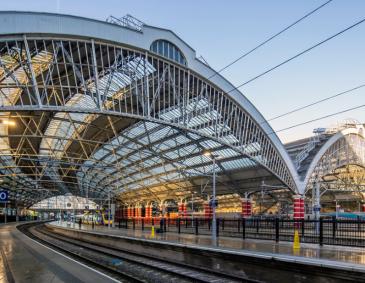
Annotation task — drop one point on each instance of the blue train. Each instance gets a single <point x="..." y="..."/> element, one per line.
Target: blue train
<point x="346" y="215"/>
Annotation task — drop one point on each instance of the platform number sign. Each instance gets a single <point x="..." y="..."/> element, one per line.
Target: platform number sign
<point x="4" y="196"/>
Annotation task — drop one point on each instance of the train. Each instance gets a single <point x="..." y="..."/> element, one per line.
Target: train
<point x="99" y="217"/>
<point x="346" y="215"/>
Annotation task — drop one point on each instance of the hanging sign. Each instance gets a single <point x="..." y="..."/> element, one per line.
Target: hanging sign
<point x="4" y="196"/>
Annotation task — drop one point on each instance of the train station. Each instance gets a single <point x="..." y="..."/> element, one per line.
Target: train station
<point x="125" y="157"/>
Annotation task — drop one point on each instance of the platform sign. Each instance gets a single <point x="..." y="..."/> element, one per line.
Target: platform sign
<point x="4" y="196"/>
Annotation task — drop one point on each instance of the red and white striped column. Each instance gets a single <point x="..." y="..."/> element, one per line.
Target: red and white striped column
<point x="180" y="209"/>
<point x="133" y="212"/>
<point x="298" y="207"/>
<point x="185" y="214"/>
<point x="148" y="213"/>
<point x="129" y="212"/>
<point x="207" y="210"/>
<point x="246" y="207"/>
<point x="138" y="211"/>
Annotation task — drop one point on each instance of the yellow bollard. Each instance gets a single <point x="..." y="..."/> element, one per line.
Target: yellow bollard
<point x="153" y="231"/>
<point x="296" y="244"/>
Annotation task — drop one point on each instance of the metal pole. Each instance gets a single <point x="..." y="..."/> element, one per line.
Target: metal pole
<point x="214" y="221"/>
<point x="16" y="209"/>
<point x="73" y="211"/>
<point x="192" y="209"/>
<point x="109" y="210"/>
<point x="317" y="205"/>
<point x="5" y="214"/>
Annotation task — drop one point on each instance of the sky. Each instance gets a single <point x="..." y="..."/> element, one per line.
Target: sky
<point x="221" y="31"/>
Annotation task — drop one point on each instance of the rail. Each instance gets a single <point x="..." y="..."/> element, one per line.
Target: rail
<point x="123" y="264"/>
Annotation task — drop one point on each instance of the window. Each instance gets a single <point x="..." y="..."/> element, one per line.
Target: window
<point x="168" y="50"/>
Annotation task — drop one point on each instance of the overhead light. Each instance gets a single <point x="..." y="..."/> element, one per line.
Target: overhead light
<point x="210" y="154"/>
<point x="8" y="122"/>
<point x="207" y="153"/>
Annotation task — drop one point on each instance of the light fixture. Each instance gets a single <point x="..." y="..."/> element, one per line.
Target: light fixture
<point x="8" y="122"/>
<point x="207" y="153"/>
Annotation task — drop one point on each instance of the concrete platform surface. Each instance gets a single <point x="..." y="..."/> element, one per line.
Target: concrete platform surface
<point x="24" y="260"/>
<point x="341" y="256"/>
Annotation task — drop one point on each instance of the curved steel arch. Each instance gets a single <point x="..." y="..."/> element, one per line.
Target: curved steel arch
<point x="347" y="147"/>
<point x="43" y="73"/>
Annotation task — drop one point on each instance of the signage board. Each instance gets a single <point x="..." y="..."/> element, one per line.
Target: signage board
<point x="4" y="196"/>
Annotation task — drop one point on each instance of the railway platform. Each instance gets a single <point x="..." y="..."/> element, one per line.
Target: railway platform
<point x="61" y="256"/>
<point x="254" y="259"/>
<point x="344" y="256"/>
<point x="25" y="260"/>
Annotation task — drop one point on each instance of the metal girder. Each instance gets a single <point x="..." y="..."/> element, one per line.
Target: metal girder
<point x="341" y="167"/>
<point x="127" y="83"/>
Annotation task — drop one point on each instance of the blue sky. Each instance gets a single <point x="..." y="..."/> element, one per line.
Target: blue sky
<point x="220" y="31"/>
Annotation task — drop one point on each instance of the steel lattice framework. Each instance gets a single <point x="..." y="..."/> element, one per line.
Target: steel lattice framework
<point x="340" y="165"/>
<point x="93" y="116"/>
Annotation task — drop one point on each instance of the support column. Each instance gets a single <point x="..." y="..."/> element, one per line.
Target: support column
<point x="181" y="209"/>
<point x="207" y="210"/>
<point x="5" y="213"/>
<point x="134" y="211"/>
<point x="112" y="214"/>
<point x="298" y="207"/>
<point x="139" y="211"/>
<point x="316" y="200"/>
<point x="246" y="207"/>
<point x="150" y="211"/>
<point x="147" y="212"/>
<point x="363" y="207"/>
<point x="185" y="214"/>
<point x="338" y="207"/>
<point x="125" y="212"/>
<point x="130" y="213"/>
<point x="162" y="208"/>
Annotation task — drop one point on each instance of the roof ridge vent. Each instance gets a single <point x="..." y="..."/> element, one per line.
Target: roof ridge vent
<point x="127" y="21"/>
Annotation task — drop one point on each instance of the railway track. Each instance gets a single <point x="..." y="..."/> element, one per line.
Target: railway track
<point x="122" y="265"/>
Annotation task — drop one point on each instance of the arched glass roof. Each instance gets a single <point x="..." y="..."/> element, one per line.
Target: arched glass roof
<point x="64" y="202"/>
<point x="91" y="117"/>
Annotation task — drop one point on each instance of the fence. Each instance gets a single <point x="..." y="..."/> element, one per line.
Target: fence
<point x="322" y="231"/>
<point x="12" y="218"/>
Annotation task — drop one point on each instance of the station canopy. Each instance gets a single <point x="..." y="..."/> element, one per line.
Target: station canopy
<point x="65" y="202"/>
<point x="92" y="117"/>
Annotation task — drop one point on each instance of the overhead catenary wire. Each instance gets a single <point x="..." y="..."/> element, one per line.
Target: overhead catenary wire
<point x="298" y="55"/>
<point x="316" y="102"/>
<point x="269" y="39"/>
<point x="317" y="119"/>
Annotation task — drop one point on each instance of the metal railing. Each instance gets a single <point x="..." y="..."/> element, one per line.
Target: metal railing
<point x="127" y="21"/>
<point x="12" y="218"/>
<point x="323" y="231"/>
